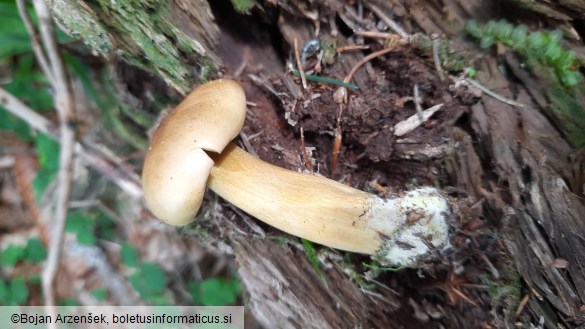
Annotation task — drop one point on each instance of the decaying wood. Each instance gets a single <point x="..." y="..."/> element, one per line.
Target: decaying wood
<point x="282" y="284"/>
<point x="174" y="40"/>
<point x="512" y="157"/>
<point x="528" y="196"/>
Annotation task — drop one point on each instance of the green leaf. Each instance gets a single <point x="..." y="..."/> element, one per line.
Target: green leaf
<point x="474" y="29"/>
<point x="571" y="78"/>
<point x="105" y="226"/>
<point x="48" y="154"/>
<point x="29" y="85"/>
<point x="3" y="292"/>
<point x="12" y="255"/>
<point x="486" y="41"/>
<point x="68" y="302"/>
<point x="129" y="254"/>
<point x="82" y="225"/>
<point x="519" y="35"/>
<point x="312" y="257"/>
<point x="35" y="250"/>
<point x="243" y="6"/>
<point x="18" y="291"/>
<point x="149" y="280"/>
<point x="215" y="292"/>
<point x="10" y="122"/>
<point x="100" y="294"/>
<point x="13" y="35"/>
<point x="34" y="279"/>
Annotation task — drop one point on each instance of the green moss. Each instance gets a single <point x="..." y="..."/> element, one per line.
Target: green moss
<point x="542" y="47"/>
<point x="243" y="6"/>
<point x="545" y="56"/>
<point x="329" y="46"/>
<point x="208" y="71"/>
<point x="145" y="34"/>
<point x="78" y="23"/>
<point x="452" y="60"/>
<point x="311" y="253"/>
<point x="507" y="290"/>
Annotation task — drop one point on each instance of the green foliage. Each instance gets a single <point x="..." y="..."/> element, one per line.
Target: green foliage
<point x="13" y="292"/>
<point x="105" y="226"/>
<point x="12" y="255"/>
<point x="129" y="254"/>
<point x="215" y="292"/>
<point x="82" y="225"/>
<point x="34" y="252"/>
<point x="68" y="302"/>
<point x="543" y="53"/>
<point x="29" y="86"/>
<point x="149" y="280"/>
<point x="13" y="35"/>
<point x="117" y="116"/>
<point x="312" y="256"/>
<point x="100" y="294"/>
<point x="88" y="226"/>
<point x="507" y="290"/>
<point x="376" y="268"/>
<point x="243" y="6"/>
<point x="543" y="47"/>
<point x="48" y="156"/>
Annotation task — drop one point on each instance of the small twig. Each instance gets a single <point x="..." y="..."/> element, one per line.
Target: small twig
<point x="494" y="94"/>
<point x="350" y="48"/>
<point x="491" y="266"/>
<point x="18" y="108"/>
<point x="437" y="60"/>
<point x="417" y="100"/>
<point x="391" y="24"/>
<point x="365" y="60"/>
<point x="118" y="287"/>
<point x="464" y="297"/>
<point x="106" y="165"/>
<point x="374" y="34"/>
<point x="306" y="159"/>
<point x="332" y="81"/>
<point x="299" y="65"/>
<point x="247" y="144"/>
<point x="404" y="127"/>
<point x="337" y="140"/>
<point x="66" y="114"/>
<point x="522" y="305"/>
<point x="36" y="44"/>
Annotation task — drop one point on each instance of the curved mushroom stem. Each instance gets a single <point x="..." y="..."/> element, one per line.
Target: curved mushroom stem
<point x="397" y="231"/>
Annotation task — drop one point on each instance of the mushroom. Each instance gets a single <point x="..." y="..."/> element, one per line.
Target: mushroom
<point x="191" y="149"/>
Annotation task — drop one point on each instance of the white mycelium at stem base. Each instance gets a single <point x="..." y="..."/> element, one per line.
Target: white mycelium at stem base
<point x="399" y="231"/>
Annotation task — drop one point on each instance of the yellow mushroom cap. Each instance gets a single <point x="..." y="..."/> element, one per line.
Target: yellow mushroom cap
<point x="176" y="167"/>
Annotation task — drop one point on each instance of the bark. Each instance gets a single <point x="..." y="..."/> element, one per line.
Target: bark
<point x="174" y="40"/>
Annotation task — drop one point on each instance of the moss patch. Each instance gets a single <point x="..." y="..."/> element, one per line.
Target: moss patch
<point x="143" y="32"/>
